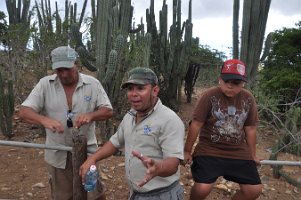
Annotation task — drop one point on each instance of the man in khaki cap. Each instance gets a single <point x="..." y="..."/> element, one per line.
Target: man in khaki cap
<point x="153" y="138"/>
<point x="67" y="99"/>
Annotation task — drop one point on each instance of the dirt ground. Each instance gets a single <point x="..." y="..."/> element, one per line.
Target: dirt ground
<point x="23" y="173"/>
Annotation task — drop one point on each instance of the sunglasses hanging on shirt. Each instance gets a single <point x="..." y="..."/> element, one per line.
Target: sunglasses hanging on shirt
<point x="69" y="119"/>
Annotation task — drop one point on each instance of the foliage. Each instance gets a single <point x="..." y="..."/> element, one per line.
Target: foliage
<point x="278" y="94"/>
<point x="209" y="61"/>
<point x="3" y="28"/>
<point x="281" y="74"/>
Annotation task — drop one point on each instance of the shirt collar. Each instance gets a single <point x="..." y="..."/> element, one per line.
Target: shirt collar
<point x="82" y="79"/>
<point x="133" y="112"/>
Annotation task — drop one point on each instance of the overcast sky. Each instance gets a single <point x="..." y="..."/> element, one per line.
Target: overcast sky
<point x="212" y="19"/>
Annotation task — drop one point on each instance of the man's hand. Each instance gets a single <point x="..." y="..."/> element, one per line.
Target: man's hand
<point x="82" y="119"/>
<point x="84" y="168"/>
<point x="257" y="160"/>
<point x="53" y="125"/>
<point x="187" y="158"/>
<point x="152" y="167"/>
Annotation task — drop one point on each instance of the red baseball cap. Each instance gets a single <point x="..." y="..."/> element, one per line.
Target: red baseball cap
<point x="233" y="69"/>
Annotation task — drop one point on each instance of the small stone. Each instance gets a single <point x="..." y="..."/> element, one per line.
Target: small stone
<point x="221" y="187"/>
<point x="39" y="185"/>
<point x="121" y="164"/>
<point x="29" y="194"/>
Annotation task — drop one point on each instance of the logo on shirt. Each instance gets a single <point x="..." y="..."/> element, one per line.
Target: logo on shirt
<point x="146" y="129"/>
<point x="87" y="98"/>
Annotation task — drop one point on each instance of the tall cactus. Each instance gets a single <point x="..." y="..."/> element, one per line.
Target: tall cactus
<point x="6" y="106"/>
<point x="170" y="55"/>
<point x="49" y="36"/>
<point x="19" y="19"/>
<point x="111" y="28"/>
<point x="235" y="39"/>
<point x="255" y="14"/>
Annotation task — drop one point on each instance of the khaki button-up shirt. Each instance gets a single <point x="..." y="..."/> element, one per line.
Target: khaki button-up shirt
<point x="159" y="135"/>
<point x="48" y="97"/>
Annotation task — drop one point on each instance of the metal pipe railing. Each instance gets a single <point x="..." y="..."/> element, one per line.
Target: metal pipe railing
<point x="280" y="162"/>
<point x="35" y="145"/>
<point x="66" y="148"/>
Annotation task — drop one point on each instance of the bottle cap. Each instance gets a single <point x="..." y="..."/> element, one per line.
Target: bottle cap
<point x="92" y="168"/>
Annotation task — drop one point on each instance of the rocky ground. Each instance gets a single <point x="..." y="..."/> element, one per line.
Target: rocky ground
<point x="23" y="173"/>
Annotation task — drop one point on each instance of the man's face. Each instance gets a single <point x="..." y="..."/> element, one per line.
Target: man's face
<point x="67" y="76"/>
<point x="231" y="87"/>
<point x="142" y="97"/>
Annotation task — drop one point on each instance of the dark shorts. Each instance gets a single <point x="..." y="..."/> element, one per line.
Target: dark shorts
<point x="206" y="169"/>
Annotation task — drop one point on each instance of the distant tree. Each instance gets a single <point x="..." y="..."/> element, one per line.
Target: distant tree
<point x="3" y="28"/>
<point x="205" y="61"/>
<point x="19" y="17"/>
<point x="281" y="74"/>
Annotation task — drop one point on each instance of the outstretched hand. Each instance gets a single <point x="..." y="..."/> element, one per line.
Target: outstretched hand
<point x="152" y="167"/>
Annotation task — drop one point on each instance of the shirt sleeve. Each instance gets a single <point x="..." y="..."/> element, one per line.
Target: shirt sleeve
<point x="118" y="138"/>
<point x="35" y="100"/>
<point x="171" y="139"/>
<point x="102" y="97"/>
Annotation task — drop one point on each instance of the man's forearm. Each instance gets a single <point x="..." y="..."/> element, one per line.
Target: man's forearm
<point x="102" y="114"/>
<point x="107" y="150"/>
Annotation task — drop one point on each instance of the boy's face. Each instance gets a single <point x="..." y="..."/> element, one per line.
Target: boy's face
<point x="231" y="87"/>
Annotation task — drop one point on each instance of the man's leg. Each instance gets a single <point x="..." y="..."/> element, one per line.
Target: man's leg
<point x="60" y="181"/>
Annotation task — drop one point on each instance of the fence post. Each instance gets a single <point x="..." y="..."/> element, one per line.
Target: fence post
<point x="79" y="155"/>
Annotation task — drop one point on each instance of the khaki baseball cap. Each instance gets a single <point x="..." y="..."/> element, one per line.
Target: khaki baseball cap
<point x="63" y="57"/>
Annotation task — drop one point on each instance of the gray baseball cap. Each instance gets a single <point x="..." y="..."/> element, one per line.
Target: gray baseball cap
<point x="63" y="57"/>
<point x="141" y="76"/>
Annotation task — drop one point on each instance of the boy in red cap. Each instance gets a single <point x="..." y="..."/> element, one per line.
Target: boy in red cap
<point x="225" y="120"/>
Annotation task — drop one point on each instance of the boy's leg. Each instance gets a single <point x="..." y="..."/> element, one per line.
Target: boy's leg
<point x="205" y="170"/>
<point x="245" y="173"/>
<point x="200" y="191"/>
<point x="248" y="192"/>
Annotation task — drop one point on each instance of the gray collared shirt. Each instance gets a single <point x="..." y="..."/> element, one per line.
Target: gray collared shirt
<point x="48" y="97"/>
<point x="159" y="135"/>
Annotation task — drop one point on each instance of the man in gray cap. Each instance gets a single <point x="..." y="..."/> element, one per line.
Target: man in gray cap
<point x="67" y="99"/>
<point x="153" y="138"/>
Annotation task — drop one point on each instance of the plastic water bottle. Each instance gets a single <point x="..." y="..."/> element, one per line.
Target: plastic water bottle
<point x="91" y="179"/>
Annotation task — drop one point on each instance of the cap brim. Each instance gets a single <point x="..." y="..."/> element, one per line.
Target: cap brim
<point x="136" y="82"/>
<point x="63" y="64"/>
<point x="227" y="77"/>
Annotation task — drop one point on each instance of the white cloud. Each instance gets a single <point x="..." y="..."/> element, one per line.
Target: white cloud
<point x="212" y="19"/>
